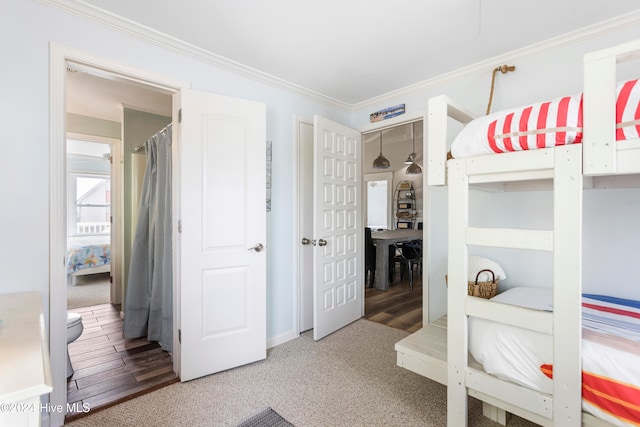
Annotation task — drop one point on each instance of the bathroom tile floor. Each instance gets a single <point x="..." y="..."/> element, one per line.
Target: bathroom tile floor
<point x="109" y="369"/>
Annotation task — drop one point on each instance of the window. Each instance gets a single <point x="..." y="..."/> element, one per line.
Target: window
<point x="89" y="188"/>
<point x="377" y="204"/>
<point x="378" y="200"/>
<point x="90" y="212"/>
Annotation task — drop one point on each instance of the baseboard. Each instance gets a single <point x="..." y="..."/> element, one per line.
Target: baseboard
<point x="281" y="339"/>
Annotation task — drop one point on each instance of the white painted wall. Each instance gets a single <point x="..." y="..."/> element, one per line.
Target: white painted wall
<point x="611" y="234"/>
<point x="27" y="28"/>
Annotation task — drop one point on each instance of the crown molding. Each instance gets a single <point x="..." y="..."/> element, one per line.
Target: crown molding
<point x="119" y="23"/>
<point x="127" y="26"/>
<point x="562" y="41"/>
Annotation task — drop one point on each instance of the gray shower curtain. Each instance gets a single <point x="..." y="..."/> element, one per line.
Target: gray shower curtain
<point x="149" y="297"/>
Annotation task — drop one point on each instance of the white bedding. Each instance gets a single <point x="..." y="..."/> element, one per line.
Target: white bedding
<point x="611" y="353"/>
<point x="509" y="352"/>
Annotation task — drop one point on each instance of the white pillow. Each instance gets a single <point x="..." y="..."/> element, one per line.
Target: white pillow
<point x="477" y="263"/>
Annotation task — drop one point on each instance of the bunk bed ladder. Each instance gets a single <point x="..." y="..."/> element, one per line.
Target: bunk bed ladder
<point x="564" y="166"/>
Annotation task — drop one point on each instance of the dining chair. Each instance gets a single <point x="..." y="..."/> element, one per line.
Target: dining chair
<point x="369" y="258"/>
<point x="409" y="255"/>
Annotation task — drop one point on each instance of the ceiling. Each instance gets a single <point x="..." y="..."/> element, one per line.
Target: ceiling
<point x="90" y="92"/>
<point x="355" y="50"/>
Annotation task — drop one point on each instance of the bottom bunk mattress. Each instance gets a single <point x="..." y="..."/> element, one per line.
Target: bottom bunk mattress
<point x="86" y="252"/>
<point x="610" y="352"/>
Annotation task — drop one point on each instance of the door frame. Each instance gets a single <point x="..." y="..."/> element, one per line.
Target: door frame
<point x="368" y="128"/>
<point x="426" y="193"/>
<point x="58" y="57"/>
<point x="297" y="222"/>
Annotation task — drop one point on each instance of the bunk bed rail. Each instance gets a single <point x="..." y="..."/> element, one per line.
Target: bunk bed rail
<point x="524" y="318"/>
<point x="564" y="407"/>
<point x="600" y="107"/>
<point x="599" y="104"/>
<point x="440" y="109"/>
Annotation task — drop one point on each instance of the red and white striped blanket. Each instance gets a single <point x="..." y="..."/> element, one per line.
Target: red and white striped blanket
<point x="544" y="124"/>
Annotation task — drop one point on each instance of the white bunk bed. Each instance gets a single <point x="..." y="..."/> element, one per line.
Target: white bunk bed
<point x="440" y="350"/>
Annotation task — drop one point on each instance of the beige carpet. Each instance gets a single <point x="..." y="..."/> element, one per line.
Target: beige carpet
<point x="350" y="378"/>
<point x="94" y="289"/>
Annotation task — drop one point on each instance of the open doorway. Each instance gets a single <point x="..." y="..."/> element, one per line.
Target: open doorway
<point x="238" y="124"/>
<point x="399" y="307"/>
<point x="89" y="195"/>
<point x="107" y="121"/>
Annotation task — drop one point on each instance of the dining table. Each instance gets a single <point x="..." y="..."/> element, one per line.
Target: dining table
<point x="382" y="239"/>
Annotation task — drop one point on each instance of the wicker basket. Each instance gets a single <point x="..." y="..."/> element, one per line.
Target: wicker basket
<point x="482" y="289"/>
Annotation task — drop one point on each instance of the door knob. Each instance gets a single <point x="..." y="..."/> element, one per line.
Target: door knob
<point x="322" y="242"/>
<point x="306" y="241"/>
<point x="258" y="247"/>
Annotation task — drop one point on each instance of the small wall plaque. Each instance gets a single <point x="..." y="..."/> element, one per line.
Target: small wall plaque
<point x="387" y="113"/>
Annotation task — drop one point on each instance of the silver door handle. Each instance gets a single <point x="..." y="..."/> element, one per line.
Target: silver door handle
<point x="306" y="241"/>
<point x="322" y="242"/>
<point x="258" y="247"/>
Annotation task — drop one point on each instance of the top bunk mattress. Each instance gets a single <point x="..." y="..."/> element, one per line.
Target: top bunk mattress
<point x="544" y="124"/>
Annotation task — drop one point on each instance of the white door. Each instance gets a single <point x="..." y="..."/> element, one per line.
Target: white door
<point x="305" y="224"/>
<point x="222" y="208"/>
<point x="338" y="272"/>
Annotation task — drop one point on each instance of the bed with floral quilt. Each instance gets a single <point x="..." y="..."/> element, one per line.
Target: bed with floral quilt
<point x="87" y="255"/>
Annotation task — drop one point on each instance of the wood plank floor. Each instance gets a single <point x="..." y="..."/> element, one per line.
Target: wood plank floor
<point x="398" y="307"/>
<point x="109" y="369"/>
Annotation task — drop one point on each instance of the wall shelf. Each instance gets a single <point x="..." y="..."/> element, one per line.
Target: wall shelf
<point x="404" y="206"/>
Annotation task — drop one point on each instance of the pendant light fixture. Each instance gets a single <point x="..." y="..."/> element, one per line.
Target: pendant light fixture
<point x="410" y="159"/>
<point x="381" y="161"/>
<point x="413" y="168"/>
<point x="412" y="156"/>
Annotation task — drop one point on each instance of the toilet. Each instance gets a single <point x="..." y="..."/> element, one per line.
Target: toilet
<point x="74" y="329"/>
